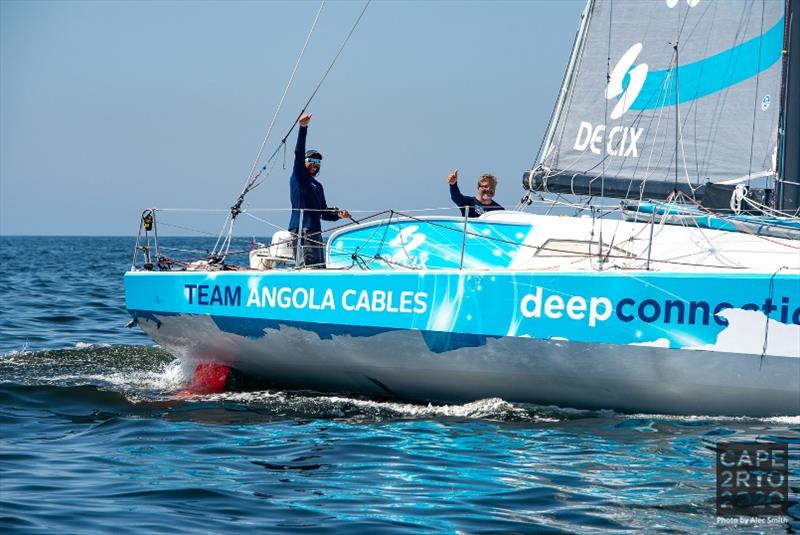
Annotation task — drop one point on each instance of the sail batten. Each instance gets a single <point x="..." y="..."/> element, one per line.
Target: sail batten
<point x="668" y="95"/>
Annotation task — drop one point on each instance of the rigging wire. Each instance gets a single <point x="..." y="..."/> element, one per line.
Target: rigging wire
<point x="755" y="94"/>
<point x="564" y="89"/>
<point x="250" y="183"/>
<point x="258" y="178"/>
<point x="605" y="117"/>
<point x="767" y="318"/>
<point x="286" y="90"/>
<point x="322" y="80"/>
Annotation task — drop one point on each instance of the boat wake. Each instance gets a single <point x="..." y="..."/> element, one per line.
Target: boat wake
<point x="148" y="376"/>
<point x="138" y="372"/>
<point x="145" y="378"/>
<point x="353" y="408"/>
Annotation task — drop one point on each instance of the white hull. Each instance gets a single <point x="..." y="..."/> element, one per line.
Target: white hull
<point x="534" y="316"/>
<point x="569" y="374"/>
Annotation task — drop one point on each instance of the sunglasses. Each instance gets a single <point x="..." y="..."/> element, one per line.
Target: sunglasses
<point x="315" y="161"/>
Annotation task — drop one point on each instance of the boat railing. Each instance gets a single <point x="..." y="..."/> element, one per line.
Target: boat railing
<point x="158" y="248"/>
<point x="152" y="253"/>
<point x="157" y="251"/>
<point x="165" y="241"/>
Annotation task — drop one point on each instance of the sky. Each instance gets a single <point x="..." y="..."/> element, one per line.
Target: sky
<point x="108" y="108"/>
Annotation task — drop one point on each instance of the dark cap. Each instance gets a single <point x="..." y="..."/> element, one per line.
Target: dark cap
<point x="313" y="154"/>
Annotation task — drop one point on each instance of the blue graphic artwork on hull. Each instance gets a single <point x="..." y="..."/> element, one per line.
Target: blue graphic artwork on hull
<point x="741" y="313"/>
<point x="255" y="329"/>
<point x="435" y="243"/>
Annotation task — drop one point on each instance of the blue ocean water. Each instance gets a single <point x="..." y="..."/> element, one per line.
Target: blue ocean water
<point x="93" y="438"/>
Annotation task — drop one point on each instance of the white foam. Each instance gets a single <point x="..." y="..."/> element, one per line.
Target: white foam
<point x="489" y="408"/>
<point x="16" y="353"/>
<point x="171" y="377"/>
<point x="175" y="374"/>
<point x="780" y="420"/>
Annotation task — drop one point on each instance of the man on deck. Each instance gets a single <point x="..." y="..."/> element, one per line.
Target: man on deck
<point x="479" y="204"/>
<point x="308" y="195"/>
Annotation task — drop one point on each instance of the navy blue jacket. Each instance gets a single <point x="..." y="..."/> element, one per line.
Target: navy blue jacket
<point x="307" y="193"/>
<point x="474" y="205"/>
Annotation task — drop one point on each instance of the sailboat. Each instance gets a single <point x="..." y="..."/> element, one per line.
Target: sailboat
<point x="684" y="299"/>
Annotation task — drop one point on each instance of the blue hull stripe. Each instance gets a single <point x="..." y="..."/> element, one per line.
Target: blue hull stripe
<point x="254" y="329"/>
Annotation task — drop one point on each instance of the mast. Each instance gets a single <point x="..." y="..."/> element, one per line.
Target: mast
<point x="565" y="85"/>
<point x="788" y="195"/>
